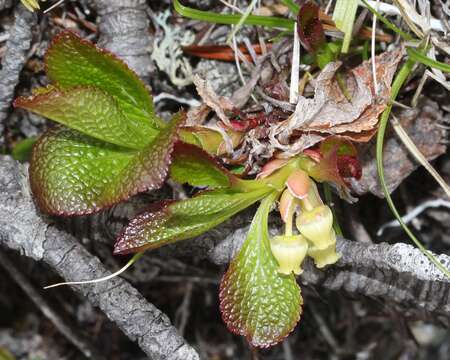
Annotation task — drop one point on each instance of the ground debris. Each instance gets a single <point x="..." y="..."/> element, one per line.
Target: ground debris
<point x="421" y="125"/>
<point x="331" y="113"/>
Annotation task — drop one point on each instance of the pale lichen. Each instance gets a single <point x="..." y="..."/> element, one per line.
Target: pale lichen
<point x="167" y="50"/>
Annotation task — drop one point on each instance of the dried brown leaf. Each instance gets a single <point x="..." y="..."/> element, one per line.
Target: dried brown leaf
<point x="219" y="104"/>
<point x="330" y="113"/>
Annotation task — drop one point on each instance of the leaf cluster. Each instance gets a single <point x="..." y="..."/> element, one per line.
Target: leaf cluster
<point x="109" y="145"/>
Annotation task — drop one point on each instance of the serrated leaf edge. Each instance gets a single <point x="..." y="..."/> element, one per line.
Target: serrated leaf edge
<point x="35" y="188"/>
<point x="63" y="34"/>
<point x="23" y="102"/>
<point x="243" y="332"/>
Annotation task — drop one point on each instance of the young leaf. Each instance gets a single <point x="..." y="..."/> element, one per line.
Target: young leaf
<point x="72" y="61"/>
<point x="255" y="300"/>
<point x="195" y="167"/>
<point x="335" y="160"/>
<point x="91" y="111"/>
<point x="310" y="29"/>
<point x="167" y="222"/>
<point x="22" y="150"/>
<point x="73" y="174"/>
<point x="212" y="141"/>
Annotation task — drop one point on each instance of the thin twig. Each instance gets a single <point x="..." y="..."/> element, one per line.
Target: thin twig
<point x="411" y="215"/>
<point x="325" y="331"/>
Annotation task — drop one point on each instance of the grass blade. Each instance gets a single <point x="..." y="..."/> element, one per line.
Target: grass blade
<point x="293" y="7"/>
<point x="344" y="17"/>
<point x="397" y="84"/>
<point x="241" y="22"/>
<point x="423" y="59"/>
<point x="233" y="19"/>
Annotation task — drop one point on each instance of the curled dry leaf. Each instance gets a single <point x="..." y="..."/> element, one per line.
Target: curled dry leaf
<point x="330" y="113"/>
<point x="219" y="104"/>
<point x="221" y="52"/>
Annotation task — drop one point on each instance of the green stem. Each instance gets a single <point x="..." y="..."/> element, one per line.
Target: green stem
<point x="329" y="200"/>
<point x="422" y="58"/>
<point x="396" y="86"/>
<point x="290" y="219"/>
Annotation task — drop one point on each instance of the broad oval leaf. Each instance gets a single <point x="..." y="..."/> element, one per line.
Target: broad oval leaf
<point x="72" y="61"/>
<point x="195" y="167"/>
<point x="255" y="300"/>
<point x="91" y="111"/>
<point x="74" y="174"/>
<point x="167" y="222"/>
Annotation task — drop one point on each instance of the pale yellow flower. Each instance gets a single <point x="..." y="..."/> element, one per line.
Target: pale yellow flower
<point x="289" y="251"/>
<point x="317" y="226"/>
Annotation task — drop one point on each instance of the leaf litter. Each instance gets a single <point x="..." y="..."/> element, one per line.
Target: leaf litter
<point x="327" y="113"/>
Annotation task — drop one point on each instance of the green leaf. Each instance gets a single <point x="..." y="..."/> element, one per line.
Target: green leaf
<point x="22" y="150"/>
<point x="293" y="7"/>
<point x="72" y="61"/>
<point x="73" y="174"/>
<point x="344" y="17"/>
<point x="255" y="300"/>
<point x="91" y="111"/>
<point x="232" y="19"/>
<point x="195" y="167"/>
<point x="167" y="222"/>
<point x="422" y="58"/>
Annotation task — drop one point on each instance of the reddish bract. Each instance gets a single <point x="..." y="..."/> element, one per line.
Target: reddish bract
<point x="310" y="29"/>
<point x="336" y="161"/>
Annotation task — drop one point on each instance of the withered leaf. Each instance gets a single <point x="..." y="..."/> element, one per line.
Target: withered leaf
<point x="331" y="113"/>
<point x="219" y="104"/>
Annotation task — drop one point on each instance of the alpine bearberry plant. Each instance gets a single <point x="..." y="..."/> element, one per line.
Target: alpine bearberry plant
<point x="110" y="145"/>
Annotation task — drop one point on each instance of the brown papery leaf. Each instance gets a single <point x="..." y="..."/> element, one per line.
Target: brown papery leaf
<point x="219" y="104"/>
<point x="331" y="113"/>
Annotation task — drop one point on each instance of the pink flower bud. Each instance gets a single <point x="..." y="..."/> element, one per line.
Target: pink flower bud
<point x="298" y="184"/>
